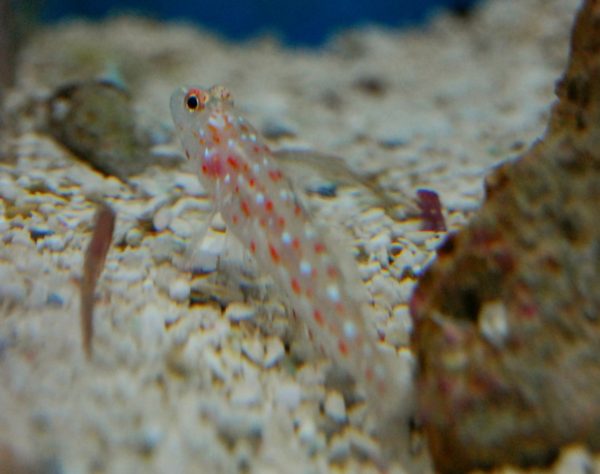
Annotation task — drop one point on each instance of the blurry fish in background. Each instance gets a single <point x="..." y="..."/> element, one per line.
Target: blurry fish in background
<point x="17" y="20"/>
<point x="7" y="51"/>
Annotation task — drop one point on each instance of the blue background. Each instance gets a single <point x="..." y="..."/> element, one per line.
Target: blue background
<point x="303" y="22"/>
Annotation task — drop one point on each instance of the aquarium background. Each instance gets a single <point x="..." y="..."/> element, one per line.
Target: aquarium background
<point x="296" y="22"/>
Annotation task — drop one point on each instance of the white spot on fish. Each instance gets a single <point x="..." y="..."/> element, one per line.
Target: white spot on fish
<point x="333" y="293"/>
<point x="260" y="199"/>
<point x="349" y="330"/>
<point x="286" y="238"/>
<point x="217" y="121"/>
<point x="305" y="268"/>
<point x="310" y="233"/>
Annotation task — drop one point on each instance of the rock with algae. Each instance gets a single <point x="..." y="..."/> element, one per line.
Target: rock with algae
<point x="507" y="320"/>
<point x="95" y="119"/>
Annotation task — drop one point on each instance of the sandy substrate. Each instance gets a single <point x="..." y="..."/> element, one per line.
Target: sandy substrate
<point x="208" y="374"/>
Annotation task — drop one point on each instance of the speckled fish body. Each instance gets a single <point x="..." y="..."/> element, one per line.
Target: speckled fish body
<point x="259" y="206"/>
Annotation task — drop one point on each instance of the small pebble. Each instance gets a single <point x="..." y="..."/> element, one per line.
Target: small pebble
<point x="363" y="443"/>
<point x="369" y="270"/>
<point x="371" y="216"/>
<point x="162" y="219"/>
<point x="216" y="365"/>
<point x="246" y="394"/>
<point x="164" y="246"/>
<point x="55" y="299"/>
<point x="15" y="292"/>
<point x="24" y="181"/>
<point x="134" y="237"/>
<point x="335" y="407"/>
<point x="420" y="237"/>
<point x="21" y="237"/>
<point x="187" y="204"/>
<point x="339" y="448"/>
<point x="55" y="243"/>
<point x="192" y="187"/>
<point x="289" y="395"/>
<point x="574" y="460"/>
<point x="151" y="325"/>
<point x="378" y="243"/>
<point x="40" y="232"/>
<point x="432" y="243"/>
<point x="254" y="350"/>
<point x="357" y="414"/>
<point x="236" y="312"/>
<point x="274" y="352"/>
<point x="38" y="294"/>
<point x="307" y="433"/>
<point x="181" y="227"/>
<point x="150" y="438"/>
<point x="179" y="290"/>
<point x="401" y="314"/>
<point x="127" y="275"/>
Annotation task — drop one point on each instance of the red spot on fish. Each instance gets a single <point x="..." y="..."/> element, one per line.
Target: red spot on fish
<point x="319" y="247"/>
<point x="235" y="218"/>
<point x="245" y="208"/>
<point x="343" y="347"/>
<point x="251" y="182"/>
<point x="274" y="253"/>
<point x="246" y="168"/>
<point x="281" y="222"/>
<point x="297" y="210"/>
<point x="296" y="286"/>
<point x="318" y="317"/>
<point x="331" y="271"/>
<point x="252" y="246"/>
<point x="296" y="243"/>
<point x="232" y="162"/>
<point x="369" y="374"/>
<point x="212" y="167"/>
<point x="256" y="149"/>
<point x="269" y="205"/>
<point x="275" y="175"/>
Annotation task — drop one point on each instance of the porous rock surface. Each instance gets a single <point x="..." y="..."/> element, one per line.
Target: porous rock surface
<point x="507" y="319"/>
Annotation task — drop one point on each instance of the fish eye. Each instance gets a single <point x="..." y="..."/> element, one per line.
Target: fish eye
<point x="192" y="102"/>
<point x="195" y="100"/>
